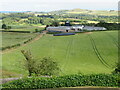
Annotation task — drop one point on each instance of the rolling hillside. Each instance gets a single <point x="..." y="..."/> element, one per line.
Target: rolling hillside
<point x="85" y="11"/>
<point x="86" y="53"/>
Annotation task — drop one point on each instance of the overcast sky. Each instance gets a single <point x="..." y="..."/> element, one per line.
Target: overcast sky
<point x="51" y="5"/>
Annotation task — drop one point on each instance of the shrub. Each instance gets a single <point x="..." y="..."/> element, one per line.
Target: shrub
<point x="109" y="80"/>
<point x="36" y="30"/>
<point x="117" y="68"/>
<point x="46" y="66"/>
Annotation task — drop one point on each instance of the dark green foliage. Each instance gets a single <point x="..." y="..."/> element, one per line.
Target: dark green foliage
<point x="30" y="62"/>
<point x="36" y="30"/>
<point x="30" y="19"/>
<point x="4" y="26"/>
<point x="117" y="68"/>
<point x="8" y="27"/>
<point x="55" y="23"/>
<point x="46" y="66"/>
<point x="108" y="26"/>
<point x="9" y="47"/>
<point x="65" y="81"/>
<point x="16" y="45"/>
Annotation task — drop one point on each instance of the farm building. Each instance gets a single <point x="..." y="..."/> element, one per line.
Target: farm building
<point x="73" y="28"/>
<point x="90" y="28"/>
<point x="60" y="29"/>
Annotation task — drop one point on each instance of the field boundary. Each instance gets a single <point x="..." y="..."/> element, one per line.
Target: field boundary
<point x="17" y="45"/>
<point x="24" y="44"/>
<point x="97" y="52"/>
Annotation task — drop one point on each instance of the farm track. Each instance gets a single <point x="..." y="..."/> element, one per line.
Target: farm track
<point x="114" y="40"/>
<point x="69" y="46"/>
<point x="97" y="53"/>
<point x="12" y="49"/>
<point x="53" y="46"/>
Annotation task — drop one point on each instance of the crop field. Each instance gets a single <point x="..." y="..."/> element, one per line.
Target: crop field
<point x="9" y="39"/>
<point x="94" y="12"/>
<point x="85" y="53"/>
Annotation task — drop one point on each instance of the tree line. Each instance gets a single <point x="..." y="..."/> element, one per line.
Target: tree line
<point x="25" y="18"/>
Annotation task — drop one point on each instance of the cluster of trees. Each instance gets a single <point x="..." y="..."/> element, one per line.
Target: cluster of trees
<point x="27" y="18"/>
<point x="45" y="66"/>
<point x="108" y="26"/>
<point x="17" y="15"/>
<point x="92" y="17"/>
<point x="43" y="21"/>
<point x="14" y="18"/>
<point x="10" y="20"/>
<point x="4" y="26"/>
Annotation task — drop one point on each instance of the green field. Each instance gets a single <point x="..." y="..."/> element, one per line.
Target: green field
<point x="86" y="53"/>
<point x="9" y="39"/>
<point x="93" y="12"/>
<point x="27" y="27"/>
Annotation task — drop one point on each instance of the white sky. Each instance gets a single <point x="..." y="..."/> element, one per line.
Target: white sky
<point x="50" y="5"/>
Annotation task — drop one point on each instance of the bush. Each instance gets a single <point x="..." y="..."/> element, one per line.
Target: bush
<point x="109" y="80"/>
<point x="46" y="66"/>
<point x="16" y="45"/>
<point x="117" y="68"/>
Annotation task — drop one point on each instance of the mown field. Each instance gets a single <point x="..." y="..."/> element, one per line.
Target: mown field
<point x="86" y="53"/>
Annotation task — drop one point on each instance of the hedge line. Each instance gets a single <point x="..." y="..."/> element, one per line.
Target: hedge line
<point x="15" y="31"/>
<point x="65" y="81"/>
<point x="16" y="45"/>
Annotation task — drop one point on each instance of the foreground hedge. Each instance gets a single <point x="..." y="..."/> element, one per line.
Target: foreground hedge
<point x="65" y="81"/>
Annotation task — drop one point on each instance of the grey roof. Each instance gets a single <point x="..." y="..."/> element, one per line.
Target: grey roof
<point x="59" y="28"/>
<point x="94" y="28"/>
<point x="76" y="27"/>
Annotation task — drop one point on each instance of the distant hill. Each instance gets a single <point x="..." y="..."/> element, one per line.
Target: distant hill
<point x="85" y="11"/>
<point x="59" y="12"/>
<point x="11" y="11"/>
<point x="73" y="11"/>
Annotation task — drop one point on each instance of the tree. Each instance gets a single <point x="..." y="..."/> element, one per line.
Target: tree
<point x="55" y="23"/>
<point x="117" y="68"/>
<point x="29" y="61"/>
<point x="4" y="26"/>
<point x="46" y="66"/>
<point x="8" y="27"/>
<point x="36" y="30"/>
<point x="46" y="26"/>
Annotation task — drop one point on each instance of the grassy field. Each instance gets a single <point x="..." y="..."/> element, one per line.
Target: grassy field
<point x="9" y="39"/>
<point x="93" y="12"/>
<point x="27" y="27"/>
<point x="86" y="53"/>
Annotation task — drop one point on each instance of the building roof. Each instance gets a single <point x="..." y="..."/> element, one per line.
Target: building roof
<point x="75" y="27"/>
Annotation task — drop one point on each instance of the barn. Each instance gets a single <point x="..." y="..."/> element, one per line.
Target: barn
<point x="60" y="29"/>
<point x="91" y="28"/>
<point x="77" y="28"/>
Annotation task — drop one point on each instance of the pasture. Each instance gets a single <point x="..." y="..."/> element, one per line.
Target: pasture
<point x="9" y="38"/>
<point x="85" y="53"/>
<point x="27" y="27"/>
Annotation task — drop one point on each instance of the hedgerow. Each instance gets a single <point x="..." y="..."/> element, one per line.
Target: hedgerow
<point x="108" y="80"/>
<point x="16" y="45"/>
